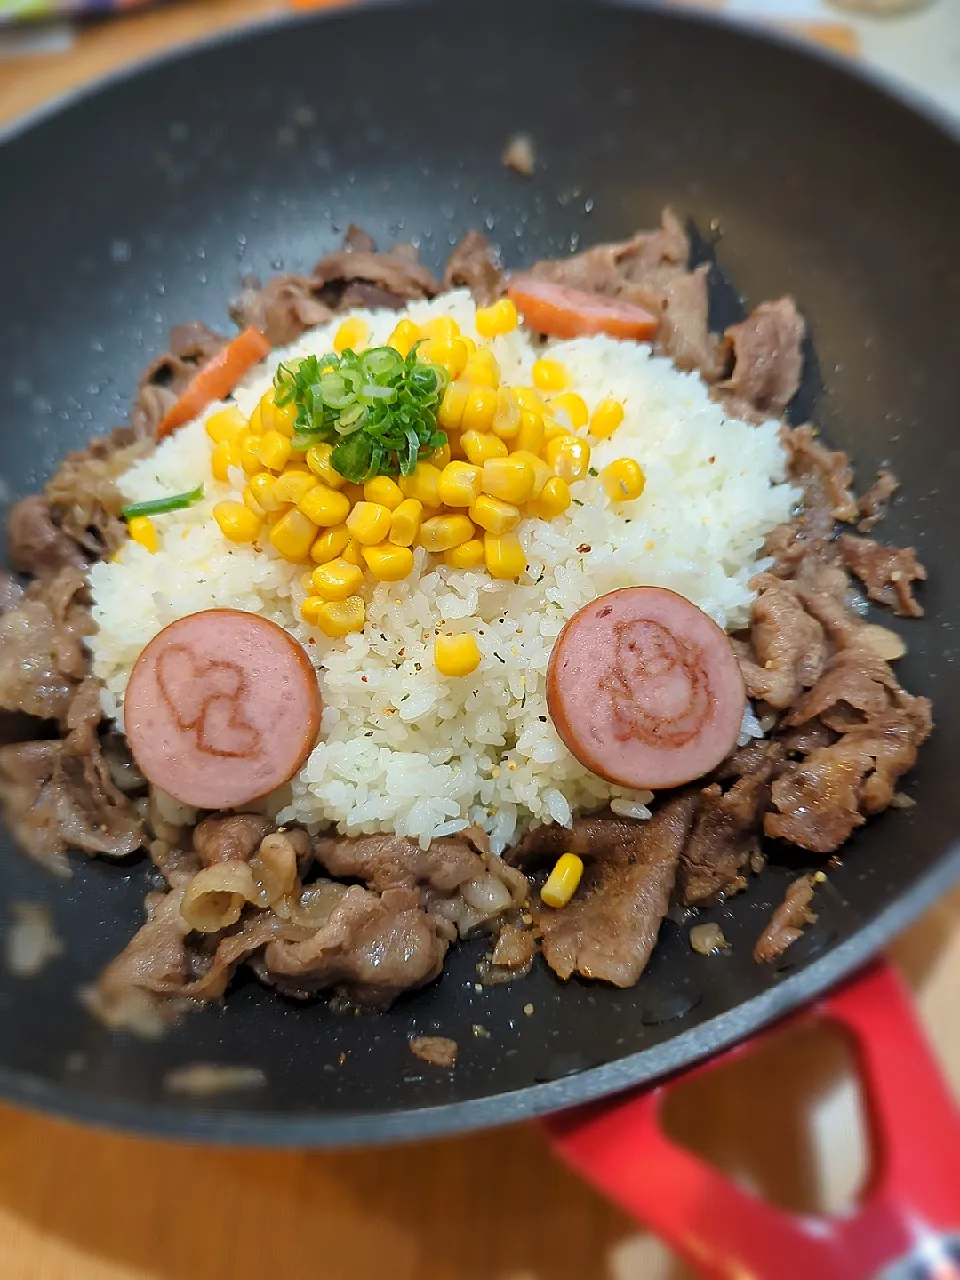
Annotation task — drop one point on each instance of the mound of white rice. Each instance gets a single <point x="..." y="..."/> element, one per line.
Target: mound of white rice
<point x="403" y="748"/>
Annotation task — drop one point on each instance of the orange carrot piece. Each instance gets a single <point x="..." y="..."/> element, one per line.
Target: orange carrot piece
<point x="560" y="312"/>
<point x="216" y="379"/>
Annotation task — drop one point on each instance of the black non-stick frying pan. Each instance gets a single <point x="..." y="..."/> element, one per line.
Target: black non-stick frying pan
<point x="142" y="203"/>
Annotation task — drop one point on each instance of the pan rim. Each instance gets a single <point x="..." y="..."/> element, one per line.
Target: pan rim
<point x="235" y="1128"/>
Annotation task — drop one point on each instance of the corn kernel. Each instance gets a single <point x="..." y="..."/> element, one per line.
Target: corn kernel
<point x="481" y="371"/>
<point x="144" y="532"/>
<point x="403" y="337"/>
<point x="237" y="523"/>
<point x="456" y="655"/>
<point x="251" y="503"/>
<point x="383" y="490"/>
<point x="274" y="452"/>
<point x="569" y="456"/>
<point x="226" y="454"/>
<point x="440" y="533"/>
<point x="480" y="409"/>
<point x="498" y="319"/>
<point x="318" y="461"/>
<point x="508" y="478"/>
<point x="459" y="484"/>
<point x="226" y="425"/>
<point x="274" y="417"/>
<point x="311" y="607"/>
<point x="440" y="457"/>
<point x="508" y="417"/>
<point x="562" y="881"/>
<point x="623" y="480"/>
<point x="388" y="563"/>
<point x="263" y="486"/>
<point x="479" y="446"/>
<point x="607" y="416"/>
<point x="552" y="429"/>
<point x="530" y="399"/>
<point x="353" y="493"/>
<point x="405" y="523"/>
<point x="330" y="544"/>
<point x="541" y="471"/>
<point x="422" y="484"/>
<point x="469" y="555"/>
<point x="337" y="618"/>
<point x="503" y="555"/>
<point x="442" y="327"/>
<point x="325" y="507"/>
<point x="450" y="353"/>
<point x="549" y="375"/>
<point x="494" y="515"/>
<point x="553" y="500"/>
<point x="353" y="553"/>
<point x="250" y="454"/>
<point x="336" y="579"/>
<point x="574" y="406"/>
<point x="530" y="437"/>
<point x="455" y="444"/>
<point x="450" y="413"/>
<point x="293" y="535"/>
<point x="292" y="485"/>
<point x="255" y="422"/>
<point x="369" y="523"/>
<point x="352" y="333"/>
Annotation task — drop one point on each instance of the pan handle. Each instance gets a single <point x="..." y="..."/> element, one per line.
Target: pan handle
<point x="909" y="1207"/>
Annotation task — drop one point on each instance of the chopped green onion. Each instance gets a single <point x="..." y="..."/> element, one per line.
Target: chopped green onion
<point x="158" y="506"/>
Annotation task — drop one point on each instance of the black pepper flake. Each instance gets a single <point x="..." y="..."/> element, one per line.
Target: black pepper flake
<point x="577" y="502"/>
<point x="592" y="471"/>
<point x="499" y="659"/>
<point x="542" y="719"/>
<point x="584" y="547"/>
<point x="363" y="679"/>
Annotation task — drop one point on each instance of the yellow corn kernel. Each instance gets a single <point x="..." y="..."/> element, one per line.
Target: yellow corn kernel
<point x="459" y="484"/>
<point x="292" y="485"/>
<point x="607" y="416"/>
<point x="623" y="480"/>
<point x="503" y="555"/>
<point x="482" y="370"/>
<point x="455" y="444"/>
<point x="330" y="544"/>
<point x="469" y="555"/>
<point x="369" y="523"/>
<point x="552" y="429"/>
<point x="480" y="409"/>
<point x="574" y="406"/>
<point x="509" y="478"/>
<point x="274" y="452"/>
<point x="274" y="417"/>
<point x="403" y="337"/>
<point x="479" y="446"/>
<point x="469" y="344"/>
<point x="255" y="422"/>
<point x="325" y="507"/>
<point x="250" y="454"/>
<point x="383" y="490"/>
<point x="456" y="655"/>
<point x="405" y="523"/>
<point x="569" y="456"/>
<point x="144" y="532"/>
<point x="530" y="437"/>
<point x="451" y="353"/>
<point x="443" y="327"/>
<point x="226" y="425"/>
<point x="500" y="318"/>
<point x="318" y="460"/>
<point x="311" y="606"/>
<point x="530" y="399"/>
<point x="353" y="334"/>
<point x="353" y="553"/>
<point x="440" y="457"/>
<point x="226" y="454"/>
<point x="336" y="579"/>
<point x="541" y="471"/>
<point x="553" y="500"/>
<point x="440" y="533"/>
<point x="450" y="413"/>
<point x="262" y="486"/>
<point x="549" y="375"/>
<point x="293" y="535"/>
<point x="423" y="484"/>
<point x="251" y="503"/>
<point x="337" y="618"/>
<point x="237" y="523"/>
<point x="494" y="515"/>
<point x="508" y="417"/>
<point x="353" y="493"/>
<point x="388" y="563"/>
<point x="562" y="881"/>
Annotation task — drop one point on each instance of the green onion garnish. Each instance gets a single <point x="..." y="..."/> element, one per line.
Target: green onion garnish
<point x="377" y="409"/>
<point x="157" y="506"/>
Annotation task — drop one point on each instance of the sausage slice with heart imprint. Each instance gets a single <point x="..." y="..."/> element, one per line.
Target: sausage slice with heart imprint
<point x="645" y="690"/>
<point x="222" y="707"/>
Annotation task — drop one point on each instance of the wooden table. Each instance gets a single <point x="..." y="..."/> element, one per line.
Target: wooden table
<point x="82" y="1205"/>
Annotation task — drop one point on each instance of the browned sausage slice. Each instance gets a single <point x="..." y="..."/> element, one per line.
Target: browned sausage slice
<point x="645" y="689"/>
<point x="221" y="708"/>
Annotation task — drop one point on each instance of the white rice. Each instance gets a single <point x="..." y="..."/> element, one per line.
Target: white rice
<point x="401" y="747"/>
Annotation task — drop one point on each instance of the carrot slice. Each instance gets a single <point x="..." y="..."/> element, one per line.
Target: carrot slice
<point x="560" y="312"/>
<point x="216" y="379"/>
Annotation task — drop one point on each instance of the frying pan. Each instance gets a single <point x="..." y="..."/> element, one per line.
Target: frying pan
<point x="141" y="203"/>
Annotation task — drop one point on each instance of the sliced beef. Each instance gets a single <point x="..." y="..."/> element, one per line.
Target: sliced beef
<point x="787" y="922"/>
<point x="192" y="345"/>
<point x="768" y="361"/>
<point x="397" y="272"/>
<point x="385" y="861"/>
<point x="873" y="504"/>
<point x="636" y="268"/>
<point x="438" y="1051"/>
<point x="84" y="497"/>
<point x="609" y="929"/>
<point x="475" y="266"/>
<point x="11" y="592"/>
<point x="825" y="474"/>
<point x="282" y="309"/>
<point x="156" y="959"/>
<point x="356" y="240"/>
<point x="42" y="658"/>
<point x="788" y="648"/>
<point x="725" y="839"/>
<point x="513" y="956"/>
<point x="29" y="811"/>
<point x="684" y="333"/>
<point x="888" y="573"/>
<point x="243" y="941"/>
<point x="233" y="837"/>
<point x="593" y="835"/>
<point x="35" y="543"/>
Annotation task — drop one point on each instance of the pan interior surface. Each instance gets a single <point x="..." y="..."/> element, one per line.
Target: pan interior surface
<point x="144" y="203"/>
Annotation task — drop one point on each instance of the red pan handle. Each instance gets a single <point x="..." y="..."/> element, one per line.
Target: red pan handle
<point x="912" y="1198"/>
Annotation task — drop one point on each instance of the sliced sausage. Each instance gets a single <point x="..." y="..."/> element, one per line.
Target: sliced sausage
<point x="644" y="689"/>
<point x="560" y="312"/>
<point x="221" y="708"/>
